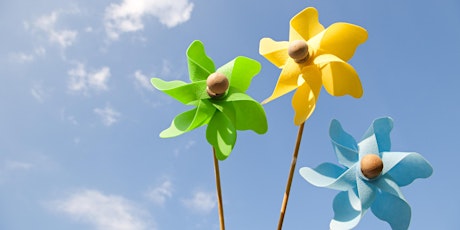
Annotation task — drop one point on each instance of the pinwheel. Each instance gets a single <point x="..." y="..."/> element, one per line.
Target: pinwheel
<point x="220" y="100"/>
<point x="371" y="176"/>
<point x="312" y="57"/>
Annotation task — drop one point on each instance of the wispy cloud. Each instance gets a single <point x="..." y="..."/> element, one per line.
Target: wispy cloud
<point x="201" y="202"/>
<point x="108" y="115"/>
<point x="161" y="193"/>
<point x="38" y="92"/>
<point x="127" y="16"/>
<point x="17" y="165"/>
<point x="83" y="81"/>
<point x="47" y="24"/>
<point x="103" y="211"/>
<point x="142" y="81"/>
<point x="23" y="57"/>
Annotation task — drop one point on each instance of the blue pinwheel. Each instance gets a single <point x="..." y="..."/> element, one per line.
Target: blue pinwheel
<point x="371" y="177"/>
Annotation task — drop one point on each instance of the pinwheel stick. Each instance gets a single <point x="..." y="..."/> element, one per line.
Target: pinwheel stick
<point x="219" y="191"/>
<point x="291" y="175"/>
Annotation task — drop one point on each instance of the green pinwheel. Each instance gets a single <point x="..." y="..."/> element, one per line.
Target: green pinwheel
<point x="219" y="97"/>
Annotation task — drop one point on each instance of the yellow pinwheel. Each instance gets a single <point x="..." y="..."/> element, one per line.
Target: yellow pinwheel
<point x="313" y="57"/>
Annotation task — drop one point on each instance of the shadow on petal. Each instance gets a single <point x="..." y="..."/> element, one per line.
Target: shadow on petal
<point x="305" y="25"/>
<point x="345" y="216"/>
<point x="407" y="167"/>
<point x="287" y="81"/>
<point x="393" y="210"/>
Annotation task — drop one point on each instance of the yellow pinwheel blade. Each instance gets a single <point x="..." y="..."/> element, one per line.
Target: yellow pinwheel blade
<point x="287" y="81"/>
<point x="305" y="25"/>
<point x="275" y="52"/>
<point x="339" y="78"/>
<point x="303" y="102"/>
<point x="340" y="39"/>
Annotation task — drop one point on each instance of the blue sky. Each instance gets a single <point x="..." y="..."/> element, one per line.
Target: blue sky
<point x="79" y="125"/>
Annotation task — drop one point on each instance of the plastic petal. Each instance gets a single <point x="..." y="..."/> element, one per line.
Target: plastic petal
<point x="393" y="210"/>
<point x="221" y="134"/>
<point x="189" y="120"/>
<point x="304" y="103"/>
<point x="275" y="52"/>
<point x="240" y="72"/>
<point x="305" y="25"/>
<point x="339" y="78"/>
<point x="200" y="66"/>
<point x="385" y="183"/>
<point x="181" y="91"/>
<point x="404" y="168"/>
<point x="344" y="144"/>
<point x="377" y="137"/>
<point x="246" y="114"/>
<point x="340" y="39"/>
<point x="345" y="216"/>
<point x="287" y="81"/>
<point x="330" y="176"/>
<point x="366" y="192"/>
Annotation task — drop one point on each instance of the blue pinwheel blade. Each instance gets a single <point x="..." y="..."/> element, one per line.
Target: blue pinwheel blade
<point x="345" y="216"/>
<point x="344" y="144"/>
<point x="393" y="210"/>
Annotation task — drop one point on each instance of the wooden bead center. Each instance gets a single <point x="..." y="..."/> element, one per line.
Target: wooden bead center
<point x="371" y="166"/>
<point x="217" y="84"/>
<point x="298" y="50"/>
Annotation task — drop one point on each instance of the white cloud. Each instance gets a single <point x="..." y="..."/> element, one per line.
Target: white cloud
<point x="23" y="57"/>
<point x="201" y="202"/>
<point x="159" y="194"/>
<point x="142" y="80"/>
<point x="38" y="92"/>
<point x="83" y="81"/>
<point x="17" y="165"/>
<point x="108" y="115"/>
<point x="128" y="15"/>
<point x="47" y="23"/>
<point x="103" y="211"/>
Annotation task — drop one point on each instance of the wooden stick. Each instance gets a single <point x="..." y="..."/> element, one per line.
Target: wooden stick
<point x="291" y="175"/>
<point x="219" y="191"/>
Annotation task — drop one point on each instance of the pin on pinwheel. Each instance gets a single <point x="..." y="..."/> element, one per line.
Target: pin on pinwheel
<point x="313" y="57"/>
<point x="221" y="103"/>
<point x="371" y="176"/>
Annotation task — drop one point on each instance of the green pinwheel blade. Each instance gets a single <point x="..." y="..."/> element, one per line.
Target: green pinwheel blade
<point x="200" y="66"/>
<point x="181" y="91"/>
<point x="221" y="134"/>
<point x="246" y="115"/>
<point x="190" y="120"/>
<point x="245" y="112"/>
<point x="240" y="72"/>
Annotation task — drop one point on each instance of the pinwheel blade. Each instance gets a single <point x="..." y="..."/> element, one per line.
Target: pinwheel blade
<point x="377" y="137"/>
<point x="240" y="72"/>
<point x="393" y="210"/>
<point x="221" y="133"/>
<point x="344" y="144"/>
<point x="330" y="176"/>
<point x="181" y="91"/>
<point x="200" y="66"/>
<point x="246" y="115"/>
<point x="275" y="52"/>
<point x="351" y="36"/>
<point x="305" y="25"/>
<point x="404" y="168"/>
<point x="345" y="216"/>
<point x="189" y="120"/>
<point x="339" y="77"/>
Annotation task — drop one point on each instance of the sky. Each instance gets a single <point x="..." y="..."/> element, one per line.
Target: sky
<point x="79" y="120"/>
